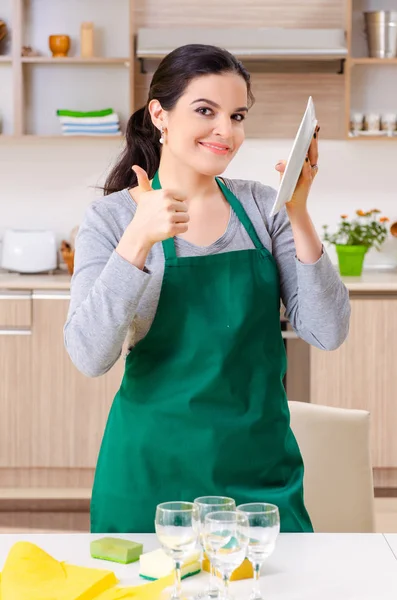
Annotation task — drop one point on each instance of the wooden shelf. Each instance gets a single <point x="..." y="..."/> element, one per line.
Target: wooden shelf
<point x="75" y="60"/>
<point x="383" y="138"/>
<point x="372" y="61"/>
<point x="5" y="59"/>
<point x="32" y="136"/>
<point x="65" y="137"/>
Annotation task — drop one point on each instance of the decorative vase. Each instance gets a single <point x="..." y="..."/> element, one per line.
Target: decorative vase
<point x="351" y="259"/>
<point x="59" y="45"/>
<point x="87" y="40"/>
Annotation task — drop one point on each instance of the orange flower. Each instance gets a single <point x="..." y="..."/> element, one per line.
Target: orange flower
<point x="376" y="210"/>
<point x="383" y="220"/>
<point x="360" y="213"/>
<point x="343" y="216"/>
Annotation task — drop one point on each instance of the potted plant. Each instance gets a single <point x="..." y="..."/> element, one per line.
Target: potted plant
<point x="353" y="239"/>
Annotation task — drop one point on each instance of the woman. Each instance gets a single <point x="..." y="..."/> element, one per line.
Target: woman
<point x="198" y="267"/>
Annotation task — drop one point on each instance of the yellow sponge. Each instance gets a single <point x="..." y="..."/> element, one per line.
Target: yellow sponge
<point x="116" y="550"/>
<point x="156" y="564"/>
<point x="244" y="571"/>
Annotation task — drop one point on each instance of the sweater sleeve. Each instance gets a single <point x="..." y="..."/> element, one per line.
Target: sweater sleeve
<point x="316" y="300"/>
<point x="105" y="292"/>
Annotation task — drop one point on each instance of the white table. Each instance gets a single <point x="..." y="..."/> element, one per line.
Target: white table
<point x="303" y="566"/>
<point x="391" y="539"/>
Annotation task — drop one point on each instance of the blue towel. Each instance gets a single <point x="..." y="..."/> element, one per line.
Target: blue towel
<point x="93" y="129"/>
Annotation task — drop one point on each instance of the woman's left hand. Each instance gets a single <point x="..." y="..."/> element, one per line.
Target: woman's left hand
<point x="309" y="171"/>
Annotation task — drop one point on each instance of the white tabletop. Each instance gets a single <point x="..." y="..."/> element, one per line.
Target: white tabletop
<point x="303" y="566"/>
<point x="391" y="539"/>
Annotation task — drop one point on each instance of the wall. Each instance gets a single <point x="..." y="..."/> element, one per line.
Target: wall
<point x="49" y="183"/>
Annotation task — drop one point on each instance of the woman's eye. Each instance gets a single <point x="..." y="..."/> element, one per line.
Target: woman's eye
<point x="202" y="111"/>
<point x="206" y="112"/>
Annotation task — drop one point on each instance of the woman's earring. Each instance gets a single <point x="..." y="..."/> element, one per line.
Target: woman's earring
<point x="161" y="140"/>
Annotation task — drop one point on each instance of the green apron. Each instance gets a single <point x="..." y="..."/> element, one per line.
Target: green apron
<point x="202" y="409"/>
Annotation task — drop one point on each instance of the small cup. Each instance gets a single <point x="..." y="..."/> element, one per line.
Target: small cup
<point x="357" y="122"/>
<point x="389" y="121"/>
<point x="372" y="121"/>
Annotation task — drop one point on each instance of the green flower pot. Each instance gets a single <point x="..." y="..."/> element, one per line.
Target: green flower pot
<point x="351" y="259"/>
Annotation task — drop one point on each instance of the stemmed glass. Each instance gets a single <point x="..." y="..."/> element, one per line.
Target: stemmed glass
<point x="225" y="541"/>
<point x="176" y="526"/>
<point x="263" y="530"/>
<point x="206" y="505"/>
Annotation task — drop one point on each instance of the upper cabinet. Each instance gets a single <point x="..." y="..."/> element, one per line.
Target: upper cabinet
<point x="293" y="50"/>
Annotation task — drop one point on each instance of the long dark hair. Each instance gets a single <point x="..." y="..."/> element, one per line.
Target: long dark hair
<point x="168" y="84"/>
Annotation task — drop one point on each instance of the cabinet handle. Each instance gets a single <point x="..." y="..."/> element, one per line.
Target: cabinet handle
<point x="15" y="332"/>
<point x="289" y="335"/>
<point x="54" y="296"/>
<point x="5" y="296"/>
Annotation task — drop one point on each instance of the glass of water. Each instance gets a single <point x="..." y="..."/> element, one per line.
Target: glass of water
<point x="206" y="505"/>
<point x="225" y="541"/>
<point x="263" y="530"/>
<point x="176" y="526"/>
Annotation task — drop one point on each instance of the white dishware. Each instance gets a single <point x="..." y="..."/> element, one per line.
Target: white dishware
<point x="389" y="121"/>
<point x="296" y="158"/>
<point x="372" y="121"/>
<point x="357" y="121"/>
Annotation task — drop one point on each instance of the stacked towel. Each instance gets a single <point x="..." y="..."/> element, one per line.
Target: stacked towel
<point x="100" y="122"/>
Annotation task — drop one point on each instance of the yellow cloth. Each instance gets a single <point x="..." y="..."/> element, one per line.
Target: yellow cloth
<point x="244" y="571"/>
<point x="148" y="591"/>
<point x="31" y="574"/>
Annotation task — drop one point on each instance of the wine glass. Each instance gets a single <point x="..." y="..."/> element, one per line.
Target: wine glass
<point x="225" y="542"/>
<point x="263" y="529"/>
<point x="206" y="505"/>
<point x="177" y="530"/>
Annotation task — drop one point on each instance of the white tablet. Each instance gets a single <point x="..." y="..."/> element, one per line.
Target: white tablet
<point x="296" y="158"/>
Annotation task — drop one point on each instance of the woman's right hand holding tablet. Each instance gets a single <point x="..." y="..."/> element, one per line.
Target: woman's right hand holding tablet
<point x="160" y="214"/>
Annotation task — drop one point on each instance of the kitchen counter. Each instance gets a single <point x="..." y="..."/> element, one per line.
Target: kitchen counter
<point x="16" y="281"/>
<point x="325" y="566"/>
<point x="370" y="281"/>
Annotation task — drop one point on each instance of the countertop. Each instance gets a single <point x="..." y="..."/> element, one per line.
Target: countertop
<point x="370" y="281"/>
<point x="303" y="566"/>
<point x="16" y="281"/>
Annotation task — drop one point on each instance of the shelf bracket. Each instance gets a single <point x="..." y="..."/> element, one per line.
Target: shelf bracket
<point x="142" y="63"/>
<point x="342" y="66"/>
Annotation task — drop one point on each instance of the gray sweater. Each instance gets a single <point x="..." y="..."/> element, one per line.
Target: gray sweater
<point x="113" y="303"/>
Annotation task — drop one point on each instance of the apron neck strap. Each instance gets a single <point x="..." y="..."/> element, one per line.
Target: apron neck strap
<point x="169" y="244"/>
<point x="241" y="214"/>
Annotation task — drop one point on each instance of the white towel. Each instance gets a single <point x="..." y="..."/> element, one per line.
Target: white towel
<point x="113" y="118"/>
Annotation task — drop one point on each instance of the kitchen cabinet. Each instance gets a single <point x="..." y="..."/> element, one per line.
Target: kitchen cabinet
<point x="16" y="399"/>
<point x="70" y="409"/>
<point x="362" y="372"/>
<point x="52" y="416"/>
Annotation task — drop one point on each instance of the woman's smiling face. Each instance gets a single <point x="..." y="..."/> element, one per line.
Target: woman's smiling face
<point x="205" y="129"/>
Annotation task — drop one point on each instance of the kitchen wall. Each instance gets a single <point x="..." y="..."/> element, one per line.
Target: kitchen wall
<point x="49" y="183"/>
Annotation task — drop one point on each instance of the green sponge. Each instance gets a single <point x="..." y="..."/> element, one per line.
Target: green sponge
<point x="116" y="550"/>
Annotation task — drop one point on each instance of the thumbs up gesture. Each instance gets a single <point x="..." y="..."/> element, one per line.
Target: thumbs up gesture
<point x="161" y="214"/>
